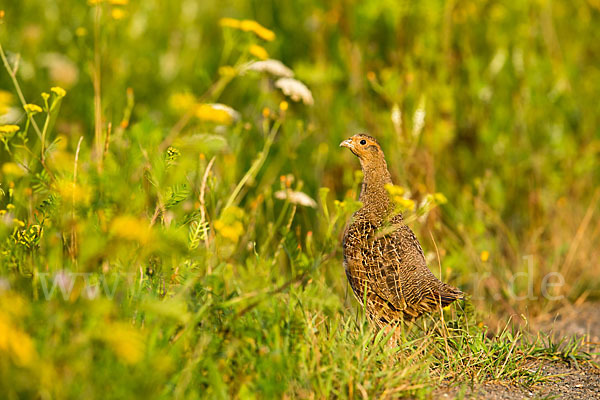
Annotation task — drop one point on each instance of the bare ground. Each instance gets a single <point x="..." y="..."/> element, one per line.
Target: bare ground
<point x="563" y="381"/>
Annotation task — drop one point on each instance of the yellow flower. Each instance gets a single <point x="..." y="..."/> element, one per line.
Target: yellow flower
<point x="12" y="169"/>
<point x="229" y="225"/>
<point x="125" y="341"/>
<point x="405" y="204"/>
<point x="248" y="25"/>
<point x="182" y="101"/>
<point x="394" y="190"/>
<point x="218" y="113"/>
<point x="266" y="112"/>
<point x="227" y="70"/>
<point x="283" y="106"/>
<point x="230" y="23"/>
<point x="256" y="28"/>
<point x="32" y="108"/>
<point x="69" y="191"/>
<point x="118" y="13"/>
<point x="132" y="228"/>
<point x="9" y="128"/>
<point x="60" y="92"/>
<point x="485" y="255"/>
<point x="15" y="342"/>
<point x="119" y="2"/>
<point x="259" y="52"/>
<point x="61" y="160"/>
<point x="80" y="31"/>
<point x="5" y="101"/>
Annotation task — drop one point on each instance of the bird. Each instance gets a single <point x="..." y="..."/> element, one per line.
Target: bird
<point x="383" y="259"/>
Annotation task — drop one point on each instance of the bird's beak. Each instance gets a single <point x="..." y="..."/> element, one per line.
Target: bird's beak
<point x="347" y="143"/>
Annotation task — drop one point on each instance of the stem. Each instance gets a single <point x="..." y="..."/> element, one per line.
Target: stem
<point x="44" y="130"/>
<point x="97" y="91"/>
<point x="13" y="77"/>
<point x="262" y="156"/>
<point x="203" y="211"/>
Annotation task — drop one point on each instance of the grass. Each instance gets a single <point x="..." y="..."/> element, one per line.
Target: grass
<point x="154" y="245"/>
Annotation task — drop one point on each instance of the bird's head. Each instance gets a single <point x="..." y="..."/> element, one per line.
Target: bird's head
<point x="365" y="147"/>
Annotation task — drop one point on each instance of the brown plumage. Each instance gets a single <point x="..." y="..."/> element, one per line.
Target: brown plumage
<point x="383" y="259"/>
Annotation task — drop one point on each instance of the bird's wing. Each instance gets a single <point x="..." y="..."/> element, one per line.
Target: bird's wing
<point x="405" y="280"/>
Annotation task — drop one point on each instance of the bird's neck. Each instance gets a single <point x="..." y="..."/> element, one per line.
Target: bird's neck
<point x="373" y="194"/>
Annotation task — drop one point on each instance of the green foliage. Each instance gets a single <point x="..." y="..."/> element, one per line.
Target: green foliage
<point x="158" y="233"/>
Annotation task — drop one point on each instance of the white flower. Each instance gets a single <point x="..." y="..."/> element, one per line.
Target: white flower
<point x="397" y="118"/>
<point x="419" y="118"/>
<point x="273" y="67"/>
<point x="299" y="198"/>
<point x="295" y="89"/>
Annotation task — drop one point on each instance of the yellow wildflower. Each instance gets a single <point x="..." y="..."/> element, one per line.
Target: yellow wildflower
<point x="230" y="23"/>
<point x="283" y="106"/>
<point x="15" y="342"/>
<point x="131" y="228"/>
<point x="485" y="255"/>
<point x="12" y="169"/>
<point x="119" y="2"/>
<point x="248" y="25"/>
<point x="229" y="225"/>
<point x="394" y="190"/>
<point x="405" y="204"/>
<point x="126" y="341"/>
<point x="227" y="70"/>
<point x="259" y="52"/>
<point x="61" y="160"/>
<point x="60" y="92"/>
<point x="182" y="101"/>
<point x="266" y="112"/>
<point x="256" y="28"/>
<point x="69" y="191"/>
<point x="218" y="113"/>
<point x="118" y="13"/>
<point x="32" y="108"/>
<point x="9" y="128"/>
<point x="80" y="31"/>
<point x="5" y="101"/>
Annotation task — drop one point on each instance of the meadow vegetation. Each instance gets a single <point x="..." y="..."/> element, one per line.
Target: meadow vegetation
<point x="173" y="196"/>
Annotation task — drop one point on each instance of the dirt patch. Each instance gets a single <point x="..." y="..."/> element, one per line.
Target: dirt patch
<point x="563" y="381"/>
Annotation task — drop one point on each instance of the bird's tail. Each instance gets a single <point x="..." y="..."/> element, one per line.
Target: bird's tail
<point x="447" y="294"/>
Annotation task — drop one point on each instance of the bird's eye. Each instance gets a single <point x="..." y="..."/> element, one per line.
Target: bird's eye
<point x="363" y="142"/>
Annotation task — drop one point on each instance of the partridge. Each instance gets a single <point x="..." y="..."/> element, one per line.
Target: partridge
<point x="383" y="259"/>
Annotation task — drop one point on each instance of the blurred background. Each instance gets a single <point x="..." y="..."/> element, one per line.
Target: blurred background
<point x="492" y="104"/>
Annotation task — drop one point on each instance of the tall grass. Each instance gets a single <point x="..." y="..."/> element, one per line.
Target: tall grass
<point x="171" y="219"/>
